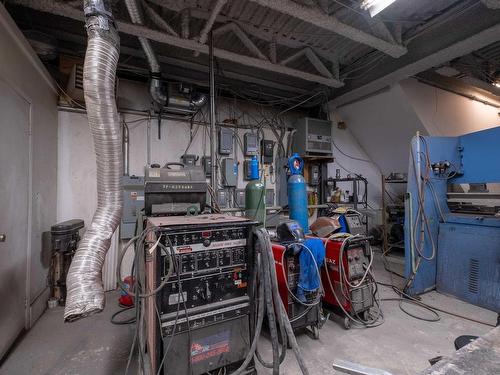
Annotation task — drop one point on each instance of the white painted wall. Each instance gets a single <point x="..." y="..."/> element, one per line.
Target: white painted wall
<point x="447" y="114"/>
<point x="22" y="70"/>
<point x="379" y="130"/>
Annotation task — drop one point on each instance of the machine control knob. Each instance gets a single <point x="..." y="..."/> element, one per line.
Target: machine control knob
<point x="206" y="243"/>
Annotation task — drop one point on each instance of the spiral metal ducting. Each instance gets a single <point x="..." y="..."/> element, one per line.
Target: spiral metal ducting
<point x="85" y="293"/>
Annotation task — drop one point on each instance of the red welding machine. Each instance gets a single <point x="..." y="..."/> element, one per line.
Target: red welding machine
<point x="347" y="272"/>
<point x="301" y="314"/>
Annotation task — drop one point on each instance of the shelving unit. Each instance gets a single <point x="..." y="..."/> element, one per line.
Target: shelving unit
<point x="356" y="203"/>
<point x="386" y="223"/>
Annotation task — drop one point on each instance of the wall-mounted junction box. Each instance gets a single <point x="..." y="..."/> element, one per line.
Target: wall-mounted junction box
<point x="225" y="141"/>
<point x="267" y="151"/>
<point x="229" y="172"/>
<point x="250" y="144"/>
<point x="206" y="163"/>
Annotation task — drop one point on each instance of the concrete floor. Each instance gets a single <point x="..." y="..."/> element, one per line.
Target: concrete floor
<point x="402" y="345"/>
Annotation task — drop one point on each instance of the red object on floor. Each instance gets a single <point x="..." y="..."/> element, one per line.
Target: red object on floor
<point x="332" y="258"/>
<point x="125" y="298"/>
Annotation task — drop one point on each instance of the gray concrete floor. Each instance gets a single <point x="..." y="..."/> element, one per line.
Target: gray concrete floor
<point x="402" y="345"/>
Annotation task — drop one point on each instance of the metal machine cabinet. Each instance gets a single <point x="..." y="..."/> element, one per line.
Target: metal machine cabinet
<point x="468" y="263"/>
<point x="133" y="202"/>
<point x="314" y="136"/>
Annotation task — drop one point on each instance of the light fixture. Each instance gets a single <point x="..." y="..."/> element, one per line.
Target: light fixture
<point x="496" y="84"/>
<point x="375" y="6"/>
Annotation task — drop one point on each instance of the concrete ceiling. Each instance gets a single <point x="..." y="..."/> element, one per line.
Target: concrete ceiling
<point x="280" y="48"/>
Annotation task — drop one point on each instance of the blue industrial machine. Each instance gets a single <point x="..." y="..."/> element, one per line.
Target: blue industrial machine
<point x="297" y="192"/>
<point x="452" y="223"/>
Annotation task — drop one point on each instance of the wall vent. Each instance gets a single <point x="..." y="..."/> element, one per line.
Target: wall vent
<point x="474" y="276"/>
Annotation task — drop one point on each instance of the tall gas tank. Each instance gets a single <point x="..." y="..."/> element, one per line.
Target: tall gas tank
<point x="255" y="195"/>
<point x="297" y="192"/>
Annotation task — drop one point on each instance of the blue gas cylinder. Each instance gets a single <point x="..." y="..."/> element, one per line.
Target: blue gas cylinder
<point x="254" y="168"/>
<point x="297" y="192"/>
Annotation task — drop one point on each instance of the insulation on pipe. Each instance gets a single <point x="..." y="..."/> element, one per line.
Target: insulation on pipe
<point x="85" y="294"/>
<point x="156" y="89"/>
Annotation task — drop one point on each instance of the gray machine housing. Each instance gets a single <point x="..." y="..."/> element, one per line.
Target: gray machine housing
<point x="133" y="203"/>
<point x="313" y="137"/>
<point x="174" y="191"/>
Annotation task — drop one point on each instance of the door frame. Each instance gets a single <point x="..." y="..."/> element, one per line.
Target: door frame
<point x="27" y="297"/>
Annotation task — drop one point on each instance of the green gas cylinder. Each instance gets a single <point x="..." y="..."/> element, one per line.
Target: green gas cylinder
<point x="255" y="201"/>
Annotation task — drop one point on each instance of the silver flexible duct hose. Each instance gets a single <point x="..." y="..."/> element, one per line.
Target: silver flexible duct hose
<point x="155" y="88"/>
<point x="84" y="282"/>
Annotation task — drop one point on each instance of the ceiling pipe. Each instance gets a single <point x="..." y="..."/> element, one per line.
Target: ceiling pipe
<point x="156" y="88"/>
<point x="85" y="294"/>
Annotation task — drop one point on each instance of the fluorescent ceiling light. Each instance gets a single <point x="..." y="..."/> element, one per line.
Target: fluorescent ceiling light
<point x="375" y="6"/>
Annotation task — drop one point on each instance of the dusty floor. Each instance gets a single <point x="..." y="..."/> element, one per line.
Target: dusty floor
<point x="402" y="345"/>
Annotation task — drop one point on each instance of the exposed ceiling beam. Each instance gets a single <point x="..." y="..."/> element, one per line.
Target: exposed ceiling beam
<point x="313" y="59"/>
<point x="80" y="40"/>
<point x="219" y="4"/>
<point x="64" y="10"/>
<point x="426" y="53"/>
<point x="318" y="18"/>
<point x="157" y="19"/>
<point x="263" y="33"/>
<point x="247" y="42"/>
<point x="459" y="87"/>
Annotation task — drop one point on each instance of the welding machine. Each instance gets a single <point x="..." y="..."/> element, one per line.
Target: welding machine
<point x="302" y="306"/>
<point x="347" y="279"/>
<point x="201" y="321"/>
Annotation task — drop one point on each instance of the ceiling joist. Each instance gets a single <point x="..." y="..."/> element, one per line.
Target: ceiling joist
<point x="313" y="59"/>
<point x="65" y="10"/>
<point x="317" y="18"/>
<point x="242" y="36"/>
<point x="158" y="20"/>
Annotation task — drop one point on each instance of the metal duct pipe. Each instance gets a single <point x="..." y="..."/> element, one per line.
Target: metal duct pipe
<point x="156" y="89"/>
<point x="84" y="282"/>
<point x="199" y="100"/>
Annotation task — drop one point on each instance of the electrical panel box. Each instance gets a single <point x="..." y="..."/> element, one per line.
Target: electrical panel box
<point x="189" y="159"/>
<point x="225" y="141"/>
<point x="206" y="163"/>
<point x="313" y="137"/>
<point x="240" y="198"/>
<point x="133" y="202"/>
<point x="269" y="197"/>
<point x="229" y="172"/>
<point x="314" y="175"/>
<point x="251" y="144"/>
<point x="222" y="198"/>
<point x="267" y="151"/>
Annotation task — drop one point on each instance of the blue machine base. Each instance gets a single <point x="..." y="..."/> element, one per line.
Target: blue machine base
<point x="468" y="263"/>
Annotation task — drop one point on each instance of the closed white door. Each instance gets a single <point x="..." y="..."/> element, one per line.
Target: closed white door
<point x="14" y="197"/>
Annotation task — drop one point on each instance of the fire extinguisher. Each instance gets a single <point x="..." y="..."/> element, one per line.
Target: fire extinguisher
<point x="126" y="300"/>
